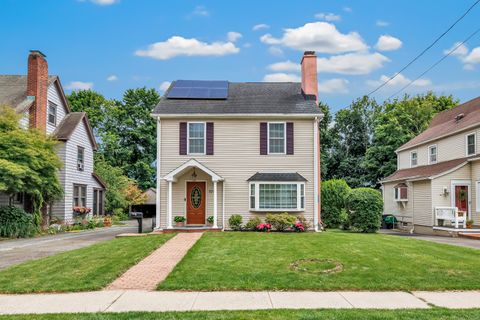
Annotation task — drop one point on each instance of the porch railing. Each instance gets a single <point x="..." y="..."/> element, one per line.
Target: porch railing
<point x="450" y="214"/>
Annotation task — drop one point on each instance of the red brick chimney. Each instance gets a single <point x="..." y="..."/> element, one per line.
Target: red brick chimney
<point x="309" y="74"/>
<point x="37" y="86"/>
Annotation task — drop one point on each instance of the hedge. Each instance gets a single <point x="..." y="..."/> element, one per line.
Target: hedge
<point x="334" y="195"/>
<point x="364" y="208"/>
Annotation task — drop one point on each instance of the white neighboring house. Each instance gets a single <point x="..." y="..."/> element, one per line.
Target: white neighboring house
<point x="41" y="101"/>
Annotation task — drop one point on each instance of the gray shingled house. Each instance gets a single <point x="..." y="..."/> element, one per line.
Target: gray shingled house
<point x="41" y="102"/>
<point x="227" y="148"/>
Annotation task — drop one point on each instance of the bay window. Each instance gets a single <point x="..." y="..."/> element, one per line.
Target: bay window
<point x="277" y="196"/>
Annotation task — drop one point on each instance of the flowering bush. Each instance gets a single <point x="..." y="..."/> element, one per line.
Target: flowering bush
<point x="265" y="227"/>
<point x="81" y="210"/>
<point x="299" y="227"/>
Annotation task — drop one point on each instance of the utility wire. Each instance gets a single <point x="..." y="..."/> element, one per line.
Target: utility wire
<point x="435" y="64"/>
<point x="425" y="50"/>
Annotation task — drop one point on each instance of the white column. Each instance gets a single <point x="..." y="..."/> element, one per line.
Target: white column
<point x="315" y="173"/>
<point x="159" y="178"/>
<point x="215" y="204"/>
<point x="170" y="191"/>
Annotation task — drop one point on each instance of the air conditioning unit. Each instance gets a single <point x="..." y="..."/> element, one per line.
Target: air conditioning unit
<point x="80" y="166"/>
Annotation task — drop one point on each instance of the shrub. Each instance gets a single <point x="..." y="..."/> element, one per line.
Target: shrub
<point x="253" y="223"/>
<point x="120" y="214"/>
<point x="179" y="219"/>
<point x="299" y="227"/>
<point x="16" y="223"/>
<point x="301" y="219"/>
<point x="265" y="227"/>
<point x="235" y="222"/>
<point x="334" y="196"/>
<point x="365" y="207"/>
<point x="280" y="222"/>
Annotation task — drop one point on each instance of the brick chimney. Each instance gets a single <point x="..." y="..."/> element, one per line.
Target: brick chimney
<point x="309" y="74"/>
<point x="37" y="86"/>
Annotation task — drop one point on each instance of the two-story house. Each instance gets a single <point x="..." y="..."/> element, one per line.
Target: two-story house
<point x="40" y="100"/>
<point x="438" y="170"/>
<point x="249" y="148"/>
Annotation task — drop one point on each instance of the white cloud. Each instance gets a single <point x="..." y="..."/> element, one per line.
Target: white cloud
<point x="319" y="36"/>
<point x="260" y="26"/>
<point x="164" y="86"/>
<point x="350" y="63"/>
<point x="281" y="77"/>
<point x="381" y="23"/>
<point x="330" y="17"/>
<point x="200" y="11"/>
<point x="112" y="78"/>
<point x="462" y="49"/>
<point x="388" y="43"/>
<point x="233" y="36"/>
<point x="247" y="45"/>
<point x="103" y="2"/>
<point x="469" y="58"/>
<point x="179" y="46"/>
<point x="79" y="85"/>
<point x="333" y="86"/>
<point x="347" y="9"/>
<point x="276" y="51"/>
<point x="399" y="81"/>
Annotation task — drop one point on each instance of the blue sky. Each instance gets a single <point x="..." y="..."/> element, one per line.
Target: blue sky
<point x="111" y="45"/>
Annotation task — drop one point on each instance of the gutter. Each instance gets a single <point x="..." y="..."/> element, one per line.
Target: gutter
<point x="318" y="116"/>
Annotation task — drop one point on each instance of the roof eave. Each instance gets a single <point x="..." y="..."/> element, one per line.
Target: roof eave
<point x="239" y="115"/>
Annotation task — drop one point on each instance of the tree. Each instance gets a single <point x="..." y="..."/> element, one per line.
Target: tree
<point x="327" y="138"/>
<point x="91" y="102"/>
<point x="400" y="120"/>
<point x="28" y="163"/>
<point x="351" y="137"/>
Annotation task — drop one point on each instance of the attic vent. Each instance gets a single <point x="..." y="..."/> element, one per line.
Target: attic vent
<point x="459" y="117"/>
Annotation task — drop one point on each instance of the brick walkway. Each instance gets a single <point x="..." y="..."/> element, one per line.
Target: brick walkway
<point x="152" y="270"/>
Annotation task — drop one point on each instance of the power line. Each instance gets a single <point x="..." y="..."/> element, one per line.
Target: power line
<point x="425" y="50"/>
<point x="435" y="64"/>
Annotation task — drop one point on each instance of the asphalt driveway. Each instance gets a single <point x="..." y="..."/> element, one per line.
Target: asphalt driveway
<point x="16" y="251"/>
<point x="461" y="242"/>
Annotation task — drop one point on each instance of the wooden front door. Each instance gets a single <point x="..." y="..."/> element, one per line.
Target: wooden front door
<point x="196" y="202"/>
<point x="461" y="198"/>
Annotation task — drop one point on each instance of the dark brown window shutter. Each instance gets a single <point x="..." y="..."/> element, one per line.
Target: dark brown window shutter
<point x="183" y="138"/>
<point x="289" y="137"/>
<point x="210" y="138"/>
<point x="263" y="138"/>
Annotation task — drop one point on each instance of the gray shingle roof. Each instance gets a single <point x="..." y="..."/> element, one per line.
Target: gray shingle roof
<point x="246" y="98"/>
<point x="68" y="125"/>
<point x="13" y="91"/>
<point x="277" y="176"/>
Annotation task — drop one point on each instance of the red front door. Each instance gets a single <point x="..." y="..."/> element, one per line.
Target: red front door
<point x="196" y="202"/>
<point x="461" y="198"/>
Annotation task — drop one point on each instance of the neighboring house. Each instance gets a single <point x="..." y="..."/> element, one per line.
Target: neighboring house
<point x="40" y="100"/>
<point x="148" y="206"/>
<point x="227" y="148"/>
<point x="438" y="174"/>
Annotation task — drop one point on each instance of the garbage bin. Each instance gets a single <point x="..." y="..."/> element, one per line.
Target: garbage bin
<point x="388" y="221"/>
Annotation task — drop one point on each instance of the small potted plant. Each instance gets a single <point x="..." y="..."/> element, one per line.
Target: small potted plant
<point x="107" y="221"/>
<point x="179" y="221"/>
<point x="210" y="221"/>
<point x="469" y="224"/>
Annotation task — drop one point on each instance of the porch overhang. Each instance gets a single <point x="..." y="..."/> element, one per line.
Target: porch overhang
<point x="192" y="163"/>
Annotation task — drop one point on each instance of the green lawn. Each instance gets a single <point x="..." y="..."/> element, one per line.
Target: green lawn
<point x="89" y="268"/>
<point x="268" y="315"/>
<point x="259" y="261"/>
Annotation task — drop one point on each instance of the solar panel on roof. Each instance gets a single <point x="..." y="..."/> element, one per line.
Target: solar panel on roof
<point x="198" y="89"/>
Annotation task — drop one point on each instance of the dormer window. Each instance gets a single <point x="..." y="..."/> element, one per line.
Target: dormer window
<point x="413" y="158"/>
<point x="52" y="113"/>
<point x="471" y="144"/>
<point x="432" y="154"/>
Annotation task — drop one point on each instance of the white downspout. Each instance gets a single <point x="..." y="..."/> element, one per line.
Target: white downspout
<point x="315" y="173"/>
<point x="157" y="196"/>
<point x="223" y="205"/>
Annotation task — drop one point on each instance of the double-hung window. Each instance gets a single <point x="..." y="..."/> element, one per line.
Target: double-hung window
<point x="276" y="138"/>
<point x="432" y="154"/>
<point x="413" y="158"/>
<point x="277" y="196"/>
<point x="471" y="144"/>
<point x="80" y="158"/>
<point x="79" y="195"/>
<point x="52" y="113"/>
<point x="196" y="138"/>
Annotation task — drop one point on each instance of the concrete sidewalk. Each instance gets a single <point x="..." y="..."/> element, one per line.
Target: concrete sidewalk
<point x="135" y="300"/>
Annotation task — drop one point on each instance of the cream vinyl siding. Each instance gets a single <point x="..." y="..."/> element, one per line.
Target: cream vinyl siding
<point x="475" y="176"/>
<point x="54" y="96"/>
<point x="396" y="208"/>
<point x="422" y="203"/>
<point x="448" y="148"/>
<point x="236" y="158"/>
